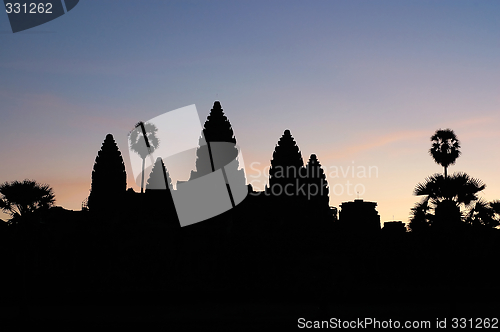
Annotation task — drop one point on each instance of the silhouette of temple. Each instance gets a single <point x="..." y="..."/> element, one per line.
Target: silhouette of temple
<point x="286" y="166"/>
<point x="318" y="190"/>
<point x="127" y="247"/>
<point x="359" y="216"/>
<point x="109" y="179"/>
<point x="216" y="129"/>
<point x="159" y="178"/>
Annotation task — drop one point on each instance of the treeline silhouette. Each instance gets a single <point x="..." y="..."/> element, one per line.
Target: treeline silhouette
<point x="128" y="247"/>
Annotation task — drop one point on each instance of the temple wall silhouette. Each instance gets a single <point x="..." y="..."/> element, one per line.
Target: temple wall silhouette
<point x="359" y="216"/>
<point x="109" y="179"/>
<point x="394" y="227"/>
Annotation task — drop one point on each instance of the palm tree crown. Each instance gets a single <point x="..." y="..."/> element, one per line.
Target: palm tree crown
<point x="444" y="196"/>
<point x="445" y="148"/>
<point x="458" y="187"/>
<point x="138" y="140"/>
<point x="484" y="214"/>
<point x="19" y="198"/>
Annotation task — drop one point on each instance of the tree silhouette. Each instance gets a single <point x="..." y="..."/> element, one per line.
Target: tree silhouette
<point x="217" y="128"/>
<point x="484" y="214"/>
<point x="445" y="148"/>
<point x="109" y="179"/>
<point x="143" y="141"/>
<point x="286" y="165"/>
<point x="447" y="195"/>
<point x="159" y="177"/>
<point x="420" y="219"/>
<point x="459" y="187"/>
<point x="20" y="198"/>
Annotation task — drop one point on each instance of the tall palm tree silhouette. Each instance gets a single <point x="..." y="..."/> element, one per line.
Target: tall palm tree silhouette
<point x="143" y="141"/>
<point x="445" y="148"/>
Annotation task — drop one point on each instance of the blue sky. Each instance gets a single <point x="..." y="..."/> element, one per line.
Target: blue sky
<point x="359" y="83"/>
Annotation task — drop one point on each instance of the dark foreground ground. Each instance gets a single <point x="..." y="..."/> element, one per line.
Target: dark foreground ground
<point x="76" y="270"/>
<point x="175" y="311"/>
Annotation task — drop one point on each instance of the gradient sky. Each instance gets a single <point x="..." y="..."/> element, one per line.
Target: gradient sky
<point x="359" y="83"/>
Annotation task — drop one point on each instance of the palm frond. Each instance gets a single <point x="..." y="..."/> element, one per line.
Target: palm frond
<point x="431" y="186"/>
<point x="495" y="205"/>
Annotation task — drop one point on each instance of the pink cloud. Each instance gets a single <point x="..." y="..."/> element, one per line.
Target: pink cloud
<point x="377" y="142"/>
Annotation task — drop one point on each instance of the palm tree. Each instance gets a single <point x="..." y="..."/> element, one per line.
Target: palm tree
<point x="143" y="141"/>
<point x="420" y="219"/>
<point x="459" y="187"/>
<point x="445" y="148"/>
<point x="20" y="198"/>
<point x="446" y="195"/>
<point x="484" y="214"/>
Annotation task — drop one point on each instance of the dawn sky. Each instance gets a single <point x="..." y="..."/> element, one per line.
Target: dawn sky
<point x="358" y="83"/>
